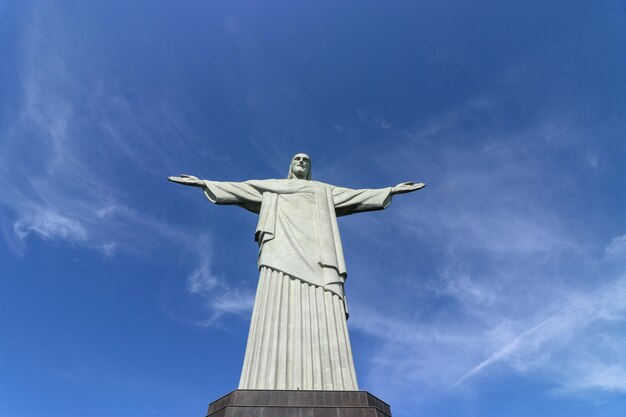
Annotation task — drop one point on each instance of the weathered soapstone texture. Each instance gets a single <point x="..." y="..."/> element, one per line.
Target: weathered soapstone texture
<point x="298" y="337"/>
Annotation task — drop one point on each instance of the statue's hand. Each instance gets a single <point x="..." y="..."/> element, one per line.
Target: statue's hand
<point x="407" y="187"/>
<point x="187" y="180"/>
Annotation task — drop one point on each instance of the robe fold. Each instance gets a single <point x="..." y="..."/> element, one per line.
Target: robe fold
<point x="292" y="333"/>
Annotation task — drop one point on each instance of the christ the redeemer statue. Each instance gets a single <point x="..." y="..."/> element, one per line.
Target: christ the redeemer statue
<point x="298" y="335"/>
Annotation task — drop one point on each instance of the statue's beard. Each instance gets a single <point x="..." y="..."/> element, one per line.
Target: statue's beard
<point x="299" y="172"/>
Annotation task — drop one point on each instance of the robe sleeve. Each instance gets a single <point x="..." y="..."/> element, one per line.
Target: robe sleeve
<point x="348" y="201"/>
<point x="234" y="193"/>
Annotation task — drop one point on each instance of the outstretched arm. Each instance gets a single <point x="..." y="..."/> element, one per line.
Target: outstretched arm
<point x="185" y="179"/>
<point x="218" y="192"/>
<point x="407" y="187"/>
<point x="348" y="201"/>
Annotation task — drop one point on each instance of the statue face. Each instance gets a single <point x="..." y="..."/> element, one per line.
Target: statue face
<point x="300" y="165"/>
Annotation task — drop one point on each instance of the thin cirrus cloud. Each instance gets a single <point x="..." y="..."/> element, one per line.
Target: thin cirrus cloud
<point x="373" y="121"/>
<point x="55" y="186"/>
<point x="554" y="332"/>
<point x="520" y="288"/>
<point x="220" y="297"/>
<point x="435" y="358"/>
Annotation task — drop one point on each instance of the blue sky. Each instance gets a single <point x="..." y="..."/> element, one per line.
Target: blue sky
<point x="499" y="290"/>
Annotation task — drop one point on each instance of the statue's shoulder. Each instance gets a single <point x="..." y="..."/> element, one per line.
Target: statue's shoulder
<point x="266" y="182"/>
<point x="271" y="185"/>
<point x="321" y="184"/>
<point x="284" y="184"/>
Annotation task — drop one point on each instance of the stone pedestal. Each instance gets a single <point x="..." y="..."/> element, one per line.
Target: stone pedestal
<point x="264" y="403"/>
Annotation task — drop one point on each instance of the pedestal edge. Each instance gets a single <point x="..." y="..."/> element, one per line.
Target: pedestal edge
<point x="298" y="399"/>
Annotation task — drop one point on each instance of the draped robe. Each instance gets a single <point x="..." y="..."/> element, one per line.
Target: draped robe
<point x="298" y="335"/>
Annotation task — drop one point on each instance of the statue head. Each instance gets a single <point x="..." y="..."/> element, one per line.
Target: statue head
<point x="300" y="167"/>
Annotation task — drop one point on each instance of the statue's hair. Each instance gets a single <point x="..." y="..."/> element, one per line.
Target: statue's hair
<point x="290" y="176"/>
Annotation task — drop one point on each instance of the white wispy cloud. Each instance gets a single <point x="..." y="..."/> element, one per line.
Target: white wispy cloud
<point x="511" y="283"/>
<point x="617" y="246"/>
<point x="56" y="172"/>
<point x="462" y="286"/>
<point x="534" y="346"/>
<point x="50" y="225"/>
<point x="597" y="375"/>
<point x="374" y="121"/>
<point x="201" y="280"/>
<point x="220" y="298"/>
